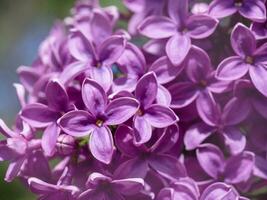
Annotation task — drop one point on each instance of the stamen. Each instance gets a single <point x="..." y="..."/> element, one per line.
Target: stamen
<point x="249" y="60"/>
<point x="99" y="123"/>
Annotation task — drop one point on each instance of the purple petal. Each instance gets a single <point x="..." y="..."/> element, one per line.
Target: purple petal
<point x="14" y="169"/>
<point x="28" y="77"/>
<point x="254" y="10"/>
<point x="167" y="140"/>
<point x="40" y="187"/>
<point x="71" y="71"/>
<point x="80" y="47"/>
<point x="39" y="115"/>
<point x="7" y="153"/>
<point x="21" y="93"/>
<point x="198" y="65"/>
<point x="77" y="123"/>
<point x="111" y="49"/>
<point x="183" y="94"/>
<point x="155" y="46"/>
<point x="133" y="60"/>
<point x="239" y="168"/>
<point x="100" y="33"/>
<point x="133" y="168"/>
<point x="260" y="30"/>
<point x="94" y="97"/>
<point x="260" y="167"/>
<point x="220" y="8"/>
<point x="129" y="186"/>
<point x="57" y="96"/>
<point x="243" y="41"/>
<point x="178" y="11"/>
<point x="160" y="116"/>
<point x="260" y="105"/>
<point x="146" y="89"/>
<point x="103" y="76"/>
<point x="157" y="27"/>
<point x="196" y="134"/>
<point x="219" y="189"/>
<point x="258" y="76"/>
<point x="235" y="111"/>
<point x="234" y="140"/>
<point x="142" y="130"/>
<point x="166" y="194"/>
<point x="49" y="139"/>
<point x="207" y="108"/>
<point x="167" y="166"/>
<point x="101" y="144"/>
<point x="6" y="131"/>
<point x="124" y="141"/>
<point x="201" y="26"/>
<point x="165" y="70"/>
<point x="232" y="68"/>
<point x="163" y="96"/>
<point x="174" y="46"/>
<point x="120" y="110"/>
<point x="211" y="159"/>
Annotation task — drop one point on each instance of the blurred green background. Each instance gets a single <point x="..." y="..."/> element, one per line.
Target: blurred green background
<point x="23" y="25"/>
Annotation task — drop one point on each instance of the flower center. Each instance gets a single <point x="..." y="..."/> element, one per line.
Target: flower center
<point x="203" y="83"/>
<point x="139" y="112"/>
<point x="99" y="122"/>
<point x="238" y="3"/>
<point x="249" y="60"/>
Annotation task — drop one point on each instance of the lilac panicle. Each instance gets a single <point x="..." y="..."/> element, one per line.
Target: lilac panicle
<point x="172" y="108"/>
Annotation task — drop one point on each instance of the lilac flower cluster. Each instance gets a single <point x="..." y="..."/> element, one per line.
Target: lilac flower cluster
<point x="167" y="101"/>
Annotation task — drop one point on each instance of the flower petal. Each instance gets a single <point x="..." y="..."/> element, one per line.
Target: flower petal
<point x="128" y="186"/>
<point x="183" y="94"/>
<point x="165" y="70"/>
<point x="133" y="168"/>
<point x="146" y="89"/>
<point x="234" y="140"/>
<point x="111" y="49"/>
<point x="77" y="123"/>
<point x="80" y="47"/>
<point x="94" y="97"/>
<point x="14" y="169"/>
<point x="243" y="41"/>
<point x="142" y="130"/>
<point x="196" y="134"/>
<point x="258" y="76"/>
<point x="208" y="109"/>
<point x="232" y="68"/>
<point x="220" y="8"/>
<point x="163" y="96"/>
<point x="201" y="26"/>
<point x="219" y="189"/>
<point x="124" y="141"/>
<point x="57" y="96"/>
<point x="177" y="48"/>
<point x="40" y="187"/>
<point x="160" y="116"/>
<point x="157" y="27"/>
<point x="254" y="10"/>
<point x="103" y="76"/>
<point x="178" y="11"/>
<point x="167" y="140"/>
<point x="239" y="168"/>
<point x="236" y="111"/>
<point x="167" y="166"/>
<point x="101" y="144"/>
<point x="39" y="115"/>
<point x="49" y="139"/>
<point x="211" y="159"/>
<point x="120" y="110"/>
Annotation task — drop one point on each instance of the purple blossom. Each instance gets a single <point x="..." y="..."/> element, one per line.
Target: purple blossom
<point x="249" y="59"/>
<point x="100" y="104"/>
<point x="180" y="28"/>
<point x="95" y="121"/>
<point x="254" y="10"/>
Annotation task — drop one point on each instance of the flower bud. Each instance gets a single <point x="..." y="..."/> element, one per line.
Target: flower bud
<point x="66" y="144"/>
